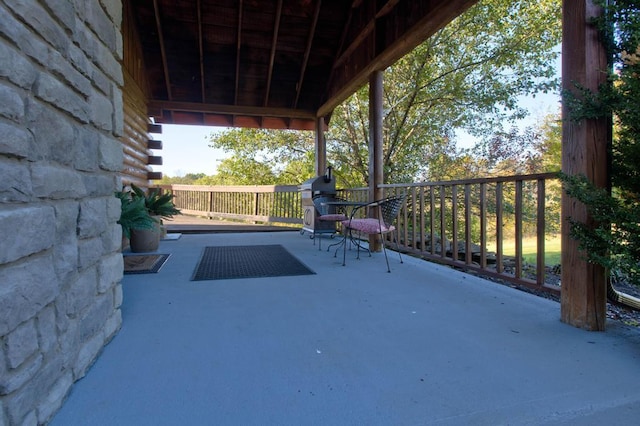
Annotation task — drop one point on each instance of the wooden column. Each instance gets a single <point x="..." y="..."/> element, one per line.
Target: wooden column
<point x="584" y="151"/>
<point x="376" y="173"/>
<point x="321" y="147"/>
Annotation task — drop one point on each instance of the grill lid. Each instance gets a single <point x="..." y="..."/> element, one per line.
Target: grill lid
<point x="319" y="184"/>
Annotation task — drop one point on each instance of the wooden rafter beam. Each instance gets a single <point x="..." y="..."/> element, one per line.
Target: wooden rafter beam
<point x="238" y="45"/>
<point x="307" y="51"/>
<point x="386" y="8"/>
<point x="201" y="49"/>
<point x="366" y="31"/>
<point x="343" y="38"/>
<point x="251" y="111"/>
<point x="163" y="51"/>
<point x="272" y="56"/>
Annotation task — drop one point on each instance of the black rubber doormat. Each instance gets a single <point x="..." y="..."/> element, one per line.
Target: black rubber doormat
<point x="227" y="262"/>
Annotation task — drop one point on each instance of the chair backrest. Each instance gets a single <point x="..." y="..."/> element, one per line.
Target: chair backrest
<point x="390" y="207"/>
<point x="323" y="209"/>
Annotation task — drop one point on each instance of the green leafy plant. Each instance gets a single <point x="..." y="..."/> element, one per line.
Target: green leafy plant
<point x="157" y="204"/>
<point x="614" y="242"/>
<point x="133" y="214"/>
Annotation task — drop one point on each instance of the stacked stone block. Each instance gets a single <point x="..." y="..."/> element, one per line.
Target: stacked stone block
<point x="60" y="260"/>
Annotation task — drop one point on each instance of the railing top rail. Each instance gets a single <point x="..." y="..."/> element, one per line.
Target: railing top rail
<point x="513" y="178"/>
<point x="235" y="188"/>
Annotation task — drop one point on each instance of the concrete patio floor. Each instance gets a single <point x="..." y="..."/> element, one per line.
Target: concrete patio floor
<point x="350" y="345"/>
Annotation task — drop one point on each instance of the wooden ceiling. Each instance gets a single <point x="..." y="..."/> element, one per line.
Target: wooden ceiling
<point x="273" y="63"/>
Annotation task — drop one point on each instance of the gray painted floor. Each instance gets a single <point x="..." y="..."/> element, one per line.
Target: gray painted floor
<point x="351" y="345"/>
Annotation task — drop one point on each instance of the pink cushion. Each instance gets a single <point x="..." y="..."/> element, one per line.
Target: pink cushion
<point x="368" y="226"/>
<point x="333" y="217"/>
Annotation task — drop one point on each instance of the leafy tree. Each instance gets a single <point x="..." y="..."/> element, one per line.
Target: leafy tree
<point x="510" y="152"/>
<point x="467" y="76"/>
<point x="243" y="171"/>
<point x="264" y="156"/>
<point x="549" y="146"/>
<point x="188" y="179"/>
<point x="614" y="242"/>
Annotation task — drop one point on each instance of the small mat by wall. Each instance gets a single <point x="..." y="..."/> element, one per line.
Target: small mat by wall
<point x="228" y="262"/>
<point x="144" y="263"/>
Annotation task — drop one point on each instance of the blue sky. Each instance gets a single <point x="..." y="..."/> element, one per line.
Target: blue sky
<point x="186" y="148"/>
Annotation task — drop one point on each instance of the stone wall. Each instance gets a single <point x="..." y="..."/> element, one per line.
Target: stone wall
<point x="60" y="262"/>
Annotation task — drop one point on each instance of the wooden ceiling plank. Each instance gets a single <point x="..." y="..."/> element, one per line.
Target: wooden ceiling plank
<point x="343" y="38"/>
<point x="307" y="51"/>
<point x="238" y="45"/>
<point x="201" y="49"/>
<point x="272" y="56"/>
<point x="163" y="52"/>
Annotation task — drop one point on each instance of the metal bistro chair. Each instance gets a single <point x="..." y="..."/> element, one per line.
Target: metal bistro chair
<point x="388" y="210"/>
<point x="328" y="213"/>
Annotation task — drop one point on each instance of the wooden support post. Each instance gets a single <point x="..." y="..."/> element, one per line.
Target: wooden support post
<point x="584" y="151"/>
<point x="321" y="147"/>
<point x="376" y="174"/>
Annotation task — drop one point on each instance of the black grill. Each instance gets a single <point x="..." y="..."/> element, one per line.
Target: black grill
<point x="318" y="186"/>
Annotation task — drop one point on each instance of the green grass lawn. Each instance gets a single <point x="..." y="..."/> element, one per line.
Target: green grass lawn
<point x="551" y="246"/>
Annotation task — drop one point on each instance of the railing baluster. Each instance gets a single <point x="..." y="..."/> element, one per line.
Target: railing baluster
<point x="432" y="219"/>
<point x="483" y="225"/>
<point x="467" y="224"/>
<point x="518" y="228"/>
<point x="443" y="224"/>
<point x="499" y="229"/>
<point x="414" y="219"/>
<point x="422" y="233"/>
<point x="454" y="222"/>
<point x="540" y="231"/>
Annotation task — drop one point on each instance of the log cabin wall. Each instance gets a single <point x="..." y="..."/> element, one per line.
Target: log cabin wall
<point x="135" y="140"/>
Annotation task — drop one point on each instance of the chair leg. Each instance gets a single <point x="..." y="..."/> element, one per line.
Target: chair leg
<point x="384" y="250"/>
<point x="395" y="237"/>
<point x="344" y="248"/>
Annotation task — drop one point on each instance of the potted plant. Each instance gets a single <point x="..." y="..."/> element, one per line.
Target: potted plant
<point x="133" y="215"/>
<point x="159" y="206"/>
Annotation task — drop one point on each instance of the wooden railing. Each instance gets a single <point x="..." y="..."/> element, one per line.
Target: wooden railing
<point x="264" y="203"/>
<point x="450" y="222"/>
<point x="453" y="222"/>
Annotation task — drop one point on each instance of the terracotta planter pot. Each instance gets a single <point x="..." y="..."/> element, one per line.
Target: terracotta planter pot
<point x="145" y="240"/>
